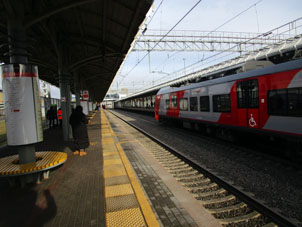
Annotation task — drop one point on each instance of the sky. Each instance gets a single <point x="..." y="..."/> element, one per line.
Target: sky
<point x="257" y="16"/>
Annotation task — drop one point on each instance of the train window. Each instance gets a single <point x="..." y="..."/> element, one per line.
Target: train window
<point x="221" y="103"/>
<point x="204" y="103"/>
<point x="183" y="104"/>
<point x="295" y="102"/>
<point x="253" y="98"/>
<point x="285" y="102"/>
<point x="247" y="94"/>
<point x="241" y="99"/>
<point x="193" y="104"/>
<point x="174" y="101"/>
<point x="167" y="104"/>
<point x="277" y="100"/>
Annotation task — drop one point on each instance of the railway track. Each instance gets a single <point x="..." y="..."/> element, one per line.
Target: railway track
<point x="229" y="204"/>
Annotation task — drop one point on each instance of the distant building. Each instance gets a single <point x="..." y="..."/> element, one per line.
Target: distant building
<point x="124" y="91"/>
<point x="122" y="96"/>
<point x="109" y="100"/>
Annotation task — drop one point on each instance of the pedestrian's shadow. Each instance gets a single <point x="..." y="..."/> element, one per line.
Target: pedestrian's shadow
<point x="19" y="207"/>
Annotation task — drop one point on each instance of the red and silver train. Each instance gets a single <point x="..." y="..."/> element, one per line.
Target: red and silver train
<point x="265" y="100"/>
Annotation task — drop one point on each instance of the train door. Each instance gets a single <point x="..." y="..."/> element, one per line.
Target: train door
<point x="173" y="105"/>
<point x="248" y="103"/>
<point x="157" y="106"/>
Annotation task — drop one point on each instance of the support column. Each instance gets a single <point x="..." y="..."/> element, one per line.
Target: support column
<point x="88" y="106"/>
<point x="16" y="83"/>
<point x="78" y="97"/>
<point x="65" y="105"/>
<point x="77" y="88"/>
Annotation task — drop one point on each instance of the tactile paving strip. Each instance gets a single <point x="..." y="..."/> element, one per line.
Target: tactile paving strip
<point x="109" y="172"/>
<point x="112" y="156"/>
<point x="122" y="206"/>
<point x="107" y="141"/>
<point x="129" y="217"/>
<point x="121" y="203"/>
<point x="108" y="154"/>
<point x="118" y="190"/>
<point x="116" y="180"/>
<point x="114" y="161"/>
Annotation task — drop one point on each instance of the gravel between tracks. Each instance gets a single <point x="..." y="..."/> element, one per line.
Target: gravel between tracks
<point x="278" y="186"/>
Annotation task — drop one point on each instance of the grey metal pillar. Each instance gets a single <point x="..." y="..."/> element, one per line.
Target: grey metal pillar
<point x="78" y="99"/>
<point x="65" y="105"/>
<point x="77" y="88"/>
<point x="18" y="55"/>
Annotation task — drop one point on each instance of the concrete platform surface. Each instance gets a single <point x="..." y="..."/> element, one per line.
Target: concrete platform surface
<point x="116" y="184"/>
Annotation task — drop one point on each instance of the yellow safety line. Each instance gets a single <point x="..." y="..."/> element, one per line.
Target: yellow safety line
<point x="144" y="204"/>
<point x="128" y="141"/>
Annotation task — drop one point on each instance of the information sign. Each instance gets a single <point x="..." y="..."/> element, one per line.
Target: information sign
<point x="85" y="95"/>
<point x="85" y="107"/>
<point x="22" y="104"/>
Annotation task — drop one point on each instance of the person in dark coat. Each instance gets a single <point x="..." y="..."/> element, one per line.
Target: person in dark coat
<point x="78" y="123"/>
<point x="51" y="116"/>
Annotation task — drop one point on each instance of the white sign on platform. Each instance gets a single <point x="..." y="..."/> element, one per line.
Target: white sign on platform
<point x="90" y="106"/>
<point x="22" y="104"/>
<point x="85" y="107"/>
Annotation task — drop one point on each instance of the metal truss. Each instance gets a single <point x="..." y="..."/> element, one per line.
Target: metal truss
<point x="292" y="44"/>
<point x="154" y="40"/>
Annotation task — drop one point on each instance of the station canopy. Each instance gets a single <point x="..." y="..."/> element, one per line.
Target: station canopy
<point x="89" y="38"/>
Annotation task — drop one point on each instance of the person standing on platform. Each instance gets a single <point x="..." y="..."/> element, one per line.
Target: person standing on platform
<point x="51" y="115"/>
<point x="78" y="123"/>
<point x="60" y="117"/>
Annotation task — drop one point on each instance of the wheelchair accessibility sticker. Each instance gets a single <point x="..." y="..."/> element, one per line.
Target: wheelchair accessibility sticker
<point x="252" y="121"/>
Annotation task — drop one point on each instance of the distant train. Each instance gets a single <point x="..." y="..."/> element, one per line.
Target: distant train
<point x="265" y="100"/>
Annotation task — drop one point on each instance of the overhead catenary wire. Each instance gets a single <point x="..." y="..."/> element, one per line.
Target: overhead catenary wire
<point x="161" y="39"/>
<point x="215" y="55"/>
<point x="258" y="36"/>
<point x="153" y="15"/>
<point x="220" y="26"/>
<point x="144" y="30"/>
<point x="235" y="16"/>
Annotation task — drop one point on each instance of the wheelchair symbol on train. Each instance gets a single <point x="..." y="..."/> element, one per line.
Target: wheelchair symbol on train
<point x="252" y="121"/>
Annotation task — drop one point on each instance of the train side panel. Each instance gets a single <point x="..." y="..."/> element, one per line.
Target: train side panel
<point x="291" y="83"/>
<point x="244" y="103"/>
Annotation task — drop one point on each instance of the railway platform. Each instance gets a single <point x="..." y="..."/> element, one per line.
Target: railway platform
<point x="116" y="184"/>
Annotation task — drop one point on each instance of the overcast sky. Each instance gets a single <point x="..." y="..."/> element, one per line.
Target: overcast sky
<point x="208" y="15"/>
